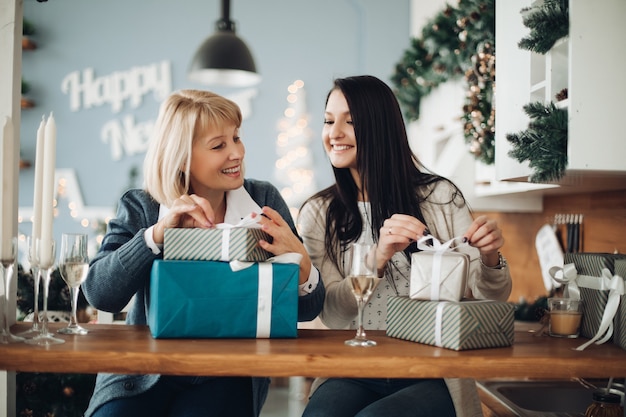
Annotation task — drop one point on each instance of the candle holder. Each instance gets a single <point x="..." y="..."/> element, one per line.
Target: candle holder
<point x="45" y="255"/>
<point x="8" y="262"/>
<point x="34" y="267"/>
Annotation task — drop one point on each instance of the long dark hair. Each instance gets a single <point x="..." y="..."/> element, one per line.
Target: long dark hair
<point x="391" y="174"/>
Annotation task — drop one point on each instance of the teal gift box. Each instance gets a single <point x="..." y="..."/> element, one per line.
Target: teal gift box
<point x="206" y="299"/>
<point x="456" y="325"/>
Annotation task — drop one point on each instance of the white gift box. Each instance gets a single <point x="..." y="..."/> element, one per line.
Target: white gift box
<point x="438" y="273"/>
<point x="438" y="278"/>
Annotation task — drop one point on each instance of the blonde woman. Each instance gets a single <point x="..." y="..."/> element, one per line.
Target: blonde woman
<point x="194" y="177"/>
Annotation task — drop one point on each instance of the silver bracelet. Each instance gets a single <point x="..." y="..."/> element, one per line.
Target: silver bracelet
<point x="501" y="262"/>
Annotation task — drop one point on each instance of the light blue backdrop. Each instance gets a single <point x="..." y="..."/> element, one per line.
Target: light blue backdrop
<point x="310" y="40"/>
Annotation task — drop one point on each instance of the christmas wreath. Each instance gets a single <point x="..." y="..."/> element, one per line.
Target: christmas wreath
<point x="457" y="42"/>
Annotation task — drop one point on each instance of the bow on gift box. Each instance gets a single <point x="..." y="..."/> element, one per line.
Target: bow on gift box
<point x="264" y="304"/>
<point x="429" y="287"/>
<point x="247" y="222"/>
<point x="568" y="276"/>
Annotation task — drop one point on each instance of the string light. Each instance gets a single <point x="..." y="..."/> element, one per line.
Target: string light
<point x="294" y="164"/>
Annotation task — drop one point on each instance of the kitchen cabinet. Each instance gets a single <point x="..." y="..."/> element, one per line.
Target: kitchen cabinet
<point x="590" y="64"/>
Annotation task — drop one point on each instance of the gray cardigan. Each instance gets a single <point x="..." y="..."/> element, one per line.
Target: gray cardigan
<point x="121" y="270"/>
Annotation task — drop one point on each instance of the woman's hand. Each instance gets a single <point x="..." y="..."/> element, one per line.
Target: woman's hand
<point x="396" y="234"/>
<point x="283" y="240"/>
<point x="187" y="211"/>
<point x="485" y="235"/>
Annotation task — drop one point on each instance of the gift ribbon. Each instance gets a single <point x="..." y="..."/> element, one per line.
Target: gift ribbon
<point x="439" y="249"/>
<point x="606" y="281"/>
<point x="439" y="324"/>
<point x="264" y="298"/>
<point x="569" y="276"/>
<point x="616" y="290"/>
<point x="247" y="222"/>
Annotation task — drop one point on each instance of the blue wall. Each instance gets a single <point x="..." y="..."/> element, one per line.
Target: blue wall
<point x="313" y="41"/>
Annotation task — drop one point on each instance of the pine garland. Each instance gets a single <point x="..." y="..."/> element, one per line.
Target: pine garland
<point x="548" y="23"/>
<point x="544" y="143"/>
<point x="453" y="44"/>
<point x="53" y="395"/>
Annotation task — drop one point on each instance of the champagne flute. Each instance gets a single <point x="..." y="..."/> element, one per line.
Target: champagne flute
<point x="45" y="252"/>
<point x="34" y="268"/>
<point x="363" y="280"/>
<point x="74" y="265"/>
<point x="7" y="259"/>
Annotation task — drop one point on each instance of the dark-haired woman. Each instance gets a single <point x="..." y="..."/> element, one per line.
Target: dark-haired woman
<point x="383" y="195"/>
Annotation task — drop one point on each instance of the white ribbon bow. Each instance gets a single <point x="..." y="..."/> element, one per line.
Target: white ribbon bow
<point x="264" y="300"/>
<point x="247" y="222"/>
<point x="567" y="276"/>
<point x="439" y="249"/>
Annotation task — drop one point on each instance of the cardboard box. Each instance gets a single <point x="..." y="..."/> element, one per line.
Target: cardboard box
<point x="206" y="299"/>
<point x="438" y="276"/>
<point x="460" y="325"/>
<point x="232" y="244"/>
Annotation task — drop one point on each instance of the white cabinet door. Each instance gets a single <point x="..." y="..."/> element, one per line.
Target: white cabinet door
<point x="590" y="64"/>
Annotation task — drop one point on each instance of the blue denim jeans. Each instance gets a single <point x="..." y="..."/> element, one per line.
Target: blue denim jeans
<point x="177" y="396"/>
<point x="381" y="398"/>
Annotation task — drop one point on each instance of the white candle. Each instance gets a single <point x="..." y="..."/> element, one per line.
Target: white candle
<point x="8" y="188"/>
<point x="47" y="194"/>
<point x="39" y="156"/>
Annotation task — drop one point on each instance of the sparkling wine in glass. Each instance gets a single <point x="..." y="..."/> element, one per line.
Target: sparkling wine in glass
<point x="74" y="265"/>
<point x="363" y="279"/>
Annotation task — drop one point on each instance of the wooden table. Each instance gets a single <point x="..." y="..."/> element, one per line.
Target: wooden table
<point x="131" y="349"/>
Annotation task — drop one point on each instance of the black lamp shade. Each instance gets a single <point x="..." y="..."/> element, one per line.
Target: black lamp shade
<point x="224" y="59"/>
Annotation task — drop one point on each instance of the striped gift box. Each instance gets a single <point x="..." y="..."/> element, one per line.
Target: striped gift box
<point x="460" y="325"/>
<point x="233" y="244"/>
<point x="619" y="322"/>
<point x="594" y="301"/>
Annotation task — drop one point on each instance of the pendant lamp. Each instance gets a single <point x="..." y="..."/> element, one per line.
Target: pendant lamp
<point x="223" y="58"/>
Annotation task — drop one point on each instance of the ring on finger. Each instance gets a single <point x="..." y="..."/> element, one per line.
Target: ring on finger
<point x="389" y="231"/>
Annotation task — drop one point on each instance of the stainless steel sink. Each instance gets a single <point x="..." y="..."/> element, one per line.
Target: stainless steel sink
<point x="528" y="398"/>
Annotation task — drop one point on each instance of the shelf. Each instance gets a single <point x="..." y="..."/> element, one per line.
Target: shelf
<point x="595" y="147"/>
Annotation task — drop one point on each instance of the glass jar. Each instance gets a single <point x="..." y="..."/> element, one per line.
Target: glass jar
<point x="605" y="404"/>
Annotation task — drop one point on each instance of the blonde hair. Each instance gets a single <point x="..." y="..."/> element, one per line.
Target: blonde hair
<point x="182" y="116"/>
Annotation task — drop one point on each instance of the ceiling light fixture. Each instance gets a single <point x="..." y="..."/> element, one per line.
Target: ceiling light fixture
<point x="223" y="58"/>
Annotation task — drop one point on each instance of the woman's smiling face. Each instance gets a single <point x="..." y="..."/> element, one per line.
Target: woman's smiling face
<point x="217" y="160"/>
<point x="338" y="132"/>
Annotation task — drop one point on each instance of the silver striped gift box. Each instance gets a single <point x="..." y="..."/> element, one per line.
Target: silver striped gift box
<point x="185" y="244"/>
<point x="594" y="301"/>
<point x="460" y="325"/>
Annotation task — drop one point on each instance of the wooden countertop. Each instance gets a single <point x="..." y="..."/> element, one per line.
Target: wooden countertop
<point x="131" y="349"/>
